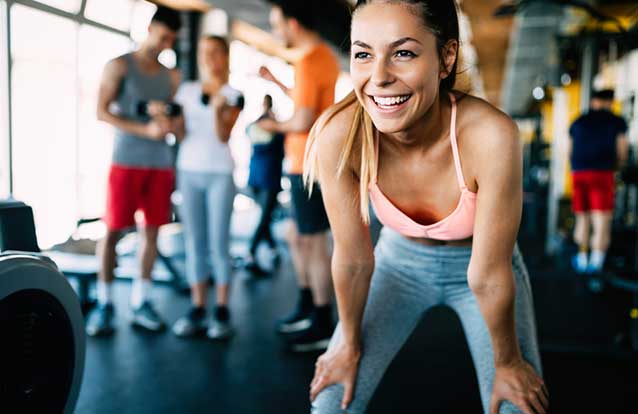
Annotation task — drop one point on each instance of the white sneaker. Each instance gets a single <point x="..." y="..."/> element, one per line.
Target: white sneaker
<point x="219" y="330"/>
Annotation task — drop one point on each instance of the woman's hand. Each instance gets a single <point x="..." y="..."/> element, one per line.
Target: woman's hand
<point x="337" y="366"/>
<point x="519" y="384"/>
<point x="267" y="124"/>
<point x="266" y="74"/>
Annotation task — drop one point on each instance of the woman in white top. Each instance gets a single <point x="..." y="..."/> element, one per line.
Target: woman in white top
<point x="205" y="181"/>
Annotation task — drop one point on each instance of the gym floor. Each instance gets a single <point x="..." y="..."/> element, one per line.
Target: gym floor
<point x="138" y="372"/>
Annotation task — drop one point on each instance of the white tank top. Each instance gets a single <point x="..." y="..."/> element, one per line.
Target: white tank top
<point x="201" y="150"/>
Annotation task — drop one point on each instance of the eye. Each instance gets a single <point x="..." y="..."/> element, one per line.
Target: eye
<point x="361" y="55"/>
<point x="405" y="54"/>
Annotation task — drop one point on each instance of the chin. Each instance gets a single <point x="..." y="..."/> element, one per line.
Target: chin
<point x="386" y="126"/>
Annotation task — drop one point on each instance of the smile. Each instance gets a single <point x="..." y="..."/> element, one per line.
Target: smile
<point x="390" y="103"/>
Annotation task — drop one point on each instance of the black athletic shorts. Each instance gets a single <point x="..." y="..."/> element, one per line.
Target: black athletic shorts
<point x="309" y="213"/>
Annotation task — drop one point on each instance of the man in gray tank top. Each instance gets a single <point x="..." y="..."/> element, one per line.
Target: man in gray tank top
<point x="135" y="97"/>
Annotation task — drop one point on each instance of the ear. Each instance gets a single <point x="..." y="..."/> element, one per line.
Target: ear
<point x="448" y="57"/>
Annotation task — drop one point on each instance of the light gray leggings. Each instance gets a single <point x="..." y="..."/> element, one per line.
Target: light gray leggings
<point x="205" y="211"/>
<point x="410" y="278"/>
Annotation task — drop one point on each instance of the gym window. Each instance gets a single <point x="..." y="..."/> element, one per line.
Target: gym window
<point x="58" y="151"/>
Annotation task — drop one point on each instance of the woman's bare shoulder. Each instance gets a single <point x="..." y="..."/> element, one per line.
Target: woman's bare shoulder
<point x="483" y="128"/>
<point x="335" y="126"/>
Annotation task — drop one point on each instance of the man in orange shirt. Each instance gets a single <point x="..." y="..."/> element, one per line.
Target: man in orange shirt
<point x="316" y="76"/>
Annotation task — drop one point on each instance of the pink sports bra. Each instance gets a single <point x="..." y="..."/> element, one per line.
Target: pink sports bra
<point x="457" y="226"/>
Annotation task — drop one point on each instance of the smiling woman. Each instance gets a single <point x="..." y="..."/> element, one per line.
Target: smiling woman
<point x="443" y="172"/>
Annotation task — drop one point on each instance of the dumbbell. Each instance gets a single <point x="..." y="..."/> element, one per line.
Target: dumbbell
<point x="237" y="101"/>
<point x="171" y="109"/>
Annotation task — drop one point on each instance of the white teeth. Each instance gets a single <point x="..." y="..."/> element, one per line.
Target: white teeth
<point x="389" y="101"/>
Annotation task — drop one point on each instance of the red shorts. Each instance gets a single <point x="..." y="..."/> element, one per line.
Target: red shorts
<point x="593" y="191"/>
<point x="131" y="189"/>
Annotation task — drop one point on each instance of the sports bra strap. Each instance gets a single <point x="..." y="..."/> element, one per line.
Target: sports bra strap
<point x="455" y="147"/>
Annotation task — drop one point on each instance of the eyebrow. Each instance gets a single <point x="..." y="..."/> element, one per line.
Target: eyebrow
<point x="392" y="45"/>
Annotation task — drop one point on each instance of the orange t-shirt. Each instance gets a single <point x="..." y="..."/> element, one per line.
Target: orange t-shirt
<point x="315" y="80"/>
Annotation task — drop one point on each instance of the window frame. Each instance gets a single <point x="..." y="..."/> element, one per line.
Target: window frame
<point x="78" y="17"/>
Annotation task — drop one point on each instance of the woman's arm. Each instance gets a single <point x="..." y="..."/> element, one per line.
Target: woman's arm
<point x="497" y="157"/>
<point x="178" y="126"/>
<point x="226" y="116"/>
<point x="352" y="260"/>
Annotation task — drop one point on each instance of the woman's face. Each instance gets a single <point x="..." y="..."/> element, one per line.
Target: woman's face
<point x="394" y="65"/>
<point x="212" y="58"/>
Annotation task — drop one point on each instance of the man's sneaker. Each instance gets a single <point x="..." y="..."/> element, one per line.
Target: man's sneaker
<point x="146" y="317"/>
<point x="191" y="323"/>
<point x="315" y="338"/>
<point x="579" y="263"/>
<point x="100" y="321"/>
<point x="219" y="329"/>
<point x="299" y="320"/>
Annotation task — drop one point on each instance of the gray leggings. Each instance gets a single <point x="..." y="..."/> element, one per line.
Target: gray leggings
<point x="410" y="278"/>
<point x="207" y="205"/>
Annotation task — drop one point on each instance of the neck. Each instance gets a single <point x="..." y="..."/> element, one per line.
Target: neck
<point x="423" y="134"/>
<point x="146" y="54"/>
<point x="307" y="40"/>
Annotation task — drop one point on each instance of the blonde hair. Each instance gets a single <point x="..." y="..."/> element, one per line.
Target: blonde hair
<point x="361" y="129"/>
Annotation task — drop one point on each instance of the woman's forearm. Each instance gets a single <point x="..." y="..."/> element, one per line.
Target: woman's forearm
<point x="223" y="125"/>
<point x="352" y="283"/>
<point x="495" y="295"/>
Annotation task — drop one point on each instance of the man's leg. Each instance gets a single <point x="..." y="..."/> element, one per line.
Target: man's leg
<point x="319" y="269"/>
<point x="121" y="203"/>
<point x="155" y="202"/>
<point x="601" y="239"/>
<point x="602" y="202"/>
<point x="147" y="254"/>
<point x="300" y="318"/>
<point x="317" y="259"/>
<point x="317" y="336"/>
<point x="299" y="253"/>
<point x="582" y="230"/>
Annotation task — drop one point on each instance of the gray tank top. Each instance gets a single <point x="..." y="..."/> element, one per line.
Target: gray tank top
<point x="131" y="150"/>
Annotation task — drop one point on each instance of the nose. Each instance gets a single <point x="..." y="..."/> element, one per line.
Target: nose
<point x="381" y="74"/>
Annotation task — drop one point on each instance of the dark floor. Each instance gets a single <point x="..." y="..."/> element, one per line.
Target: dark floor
<point x="137" y="372"/>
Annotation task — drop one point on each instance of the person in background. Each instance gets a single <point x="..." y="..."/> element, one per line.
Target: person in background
<point x="316" y="76"/>
<point x="205" y="181"/>
<point x="264" y="181"/>
<point x="135" y="97"/>
<point x="598" y="147"/>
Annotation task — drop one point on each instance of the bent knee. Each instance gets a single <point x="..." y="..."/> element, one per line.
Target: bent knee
<point x="329" y="402"/>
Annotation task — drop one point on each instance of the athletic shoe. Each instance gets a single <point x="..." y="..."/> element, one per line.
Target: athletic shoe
<point x="100" y="321"/>
<point x="578" y="264"/>
<point x="299" y="320"/>
<point x="191" y="323"/>
<point x="219" y="329"/>
<point x="146" y="317"/>
<point x="315" y="338"/>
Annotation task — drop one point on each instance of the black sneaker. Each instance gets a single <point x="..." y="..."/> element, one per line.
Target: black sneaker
<point x="100" y="321"/>
<point x="300" y="319"/>
<point x="315" y="338"/>
<point x="191" y="323"/>
<point x="146" y="317"/>
<point x="250" y="264"/>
